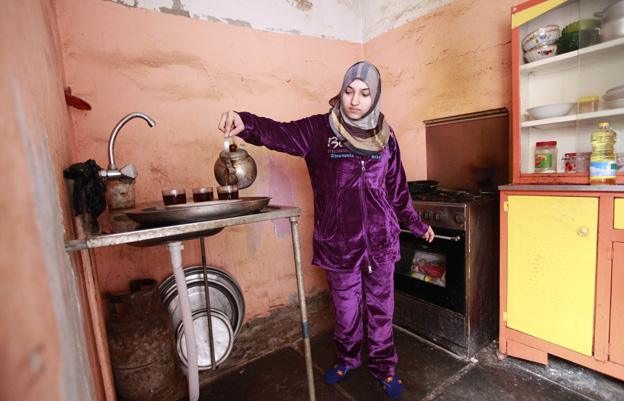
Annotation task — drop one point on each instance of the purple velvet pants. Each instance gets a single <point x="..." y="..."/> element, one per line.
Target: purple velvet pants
<point x="356" y="293"/>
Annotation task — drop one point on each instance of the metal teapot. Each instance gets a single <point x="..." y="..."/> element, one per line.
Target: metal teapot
<point x="235" y="166"/>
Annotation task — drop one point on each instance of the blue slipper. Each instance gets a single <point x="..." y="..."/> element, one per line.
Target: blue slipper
<point x="393" y="386"/>
<point x="336" y="373"/>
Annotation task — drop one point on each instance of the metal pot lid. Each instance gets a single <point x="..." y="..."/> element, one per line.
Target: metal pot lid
<point x="222" y="335"/>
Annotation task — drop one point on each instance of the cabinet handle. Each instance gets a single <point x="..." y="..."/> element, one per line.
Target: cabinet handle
<point x="582" y="231"/>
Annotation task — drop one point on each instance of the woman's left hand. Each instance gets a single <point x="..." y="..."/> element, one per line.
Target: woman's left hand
<point x="429" y="235"/>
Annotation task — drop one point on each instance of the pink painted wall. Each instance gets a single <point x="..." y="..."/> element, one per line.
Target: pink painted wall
<point x="41" y="343"/>
<point x="184" y="73"/>
<point x="455" y="60"/>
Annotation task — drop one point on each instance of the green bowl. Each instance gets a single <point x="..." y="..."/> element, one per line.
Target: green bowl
<point x="575" y="40"/>
<point x="581" y="25"/>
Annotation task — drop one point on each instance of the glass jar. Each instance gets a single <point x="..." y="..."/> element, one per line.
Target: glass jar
<point x="569" y="162"/>
<point x="576" y="162"/>
<point x="582" y="162"/>
<point x="588" y="104"/>
<point x="546" y="157"/>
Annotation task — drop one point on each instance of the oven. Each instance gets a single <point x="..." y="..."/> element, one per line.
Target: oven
<point x="434" y="271"/>
<point x="446" y="290"/>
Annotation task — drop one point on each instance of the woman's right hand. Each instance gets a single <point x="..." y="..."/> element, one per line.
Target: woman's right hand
<point x="231" y="124"/>
<point x="429" y="235"/>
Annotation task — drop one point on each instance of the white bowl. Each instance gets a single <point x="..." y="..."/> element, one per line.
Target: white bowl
<point x="540" y="53"/>
<point x="546" y="35"/>
<point x="550" y="110"/>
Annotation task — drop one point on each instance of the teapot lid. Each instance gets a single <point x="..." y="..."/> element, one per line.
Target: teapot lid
<point x="232" y="151"/>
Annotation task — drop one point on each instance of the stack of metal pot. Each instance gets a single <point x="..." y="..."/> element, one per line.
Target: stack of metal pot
<point x="227" y="312"/>
<point x="612" y="24"/>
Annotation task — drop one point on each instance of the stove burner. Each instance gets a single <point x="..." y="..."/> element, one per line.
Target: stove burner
<point x="448" y="195"/>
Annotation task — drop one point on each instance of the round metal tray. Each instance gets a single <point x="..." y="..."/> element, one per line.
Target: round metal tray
<point x="156" y="214"/>
<point x="225" y="295"/>
<point x="223" y="338"/>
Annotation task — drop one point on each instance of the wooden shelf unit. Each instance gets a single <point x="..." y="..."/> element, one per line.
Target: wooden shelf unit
<point x="557" y="222"/>
<point x="590" y="71"/>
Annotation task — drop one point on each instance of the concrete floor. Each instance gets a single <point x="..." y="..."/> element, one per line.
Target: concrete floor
<point x="429" y="373"/>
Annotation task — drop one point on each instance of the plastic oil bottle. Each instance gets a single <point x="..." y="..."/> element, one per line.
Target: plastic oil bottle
<point x="603" y="165"/>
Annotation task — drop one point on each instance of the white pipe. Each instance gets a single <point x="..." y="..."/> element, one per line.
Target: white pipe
<point x="175" y="249"/>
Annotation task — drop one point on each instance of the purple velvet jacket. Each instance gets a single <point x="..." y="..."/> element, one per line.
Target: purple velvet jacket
<point x="358" y="200"/>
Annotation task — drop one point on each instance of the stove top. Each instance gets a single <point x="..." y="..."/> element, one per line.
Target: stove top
<point x="450" y="196"/>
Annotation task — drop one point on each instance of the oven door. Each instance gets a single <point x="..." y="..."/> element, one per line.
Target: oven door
<point x="434" y="272"/>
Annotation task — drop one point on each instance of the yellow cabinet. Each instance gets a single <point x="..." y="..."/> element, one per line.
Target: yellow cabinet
<point x="551" y="273"/>
<point x="616" y="349"/>
<point x="618" y="214"/>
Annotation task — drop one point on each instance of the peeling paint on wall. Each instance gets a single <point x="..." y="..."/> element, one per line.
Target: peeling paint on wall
<point x="302" y="5"/>
<point x="320" y="18"/>
<point x="383" y="16"/>
<point x="176" y="9"/>
<point x="237" y="22"/>
<point x="352" y="20"/>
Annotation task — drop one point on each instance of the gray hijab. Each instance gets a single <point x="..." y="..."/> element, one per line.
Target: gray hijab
<point x="368" y="134"/>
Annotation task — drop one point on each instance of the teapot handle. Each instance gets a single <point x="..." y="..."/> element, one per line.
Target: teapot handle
<point x="226" y="145"/>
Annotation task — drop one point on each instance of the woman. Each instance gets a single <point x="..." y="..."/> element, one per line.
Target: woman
<point x="360" y="196"/>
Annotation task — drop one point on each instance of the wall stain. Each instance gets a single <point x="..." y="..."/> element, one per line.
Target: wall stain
<point x="303" y="5"/>
<point x="237" y="22"/>
<point x="209" y="18"/>
<point x="176" y="9"/>
<point x="135" y="3"/>
<point x="154" y="59"/>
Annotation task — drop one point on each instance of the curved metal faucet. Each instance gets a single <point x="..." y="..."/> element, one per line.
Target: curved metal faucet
<point x="128" y="171"/>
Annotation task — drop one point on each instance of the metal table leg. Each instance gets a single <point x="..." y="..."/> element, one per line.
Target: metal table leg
<point x="175" y="249"/>
<point x="213" y="362"/>
<point x="294" y="228"/>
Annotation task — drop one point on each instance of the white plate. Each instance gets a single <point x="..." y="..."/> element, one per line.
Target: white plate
<point x="615" y="103"/>
<point x="614" y="93"/>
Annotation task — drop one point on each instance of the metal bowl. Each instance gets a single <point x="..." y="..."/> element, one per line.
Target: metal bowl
<point x="612" y="29"/>
<point x="613" y="12"/>
<point x="225" y="295"/>
<point x="223" y="339"/>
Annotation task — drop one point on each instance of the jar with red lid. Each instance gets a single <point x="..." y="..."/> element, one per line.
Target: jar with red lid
<point x="546" y="157"/>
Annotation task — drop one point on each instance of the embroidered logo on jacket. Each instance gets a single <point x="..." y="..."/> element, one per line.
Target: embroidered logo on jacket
<point x="336" y="150"/>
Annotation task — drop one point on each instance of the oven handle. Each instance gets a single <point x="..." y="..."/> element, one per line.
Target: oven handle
<point x="456" y="238"/>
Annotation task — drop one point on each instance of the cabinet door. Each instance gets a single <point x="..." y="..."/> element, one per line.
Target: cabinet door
<point x="551" y="268"/>
<point x="618" y="214"/>
<point x="616" y="337"/>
